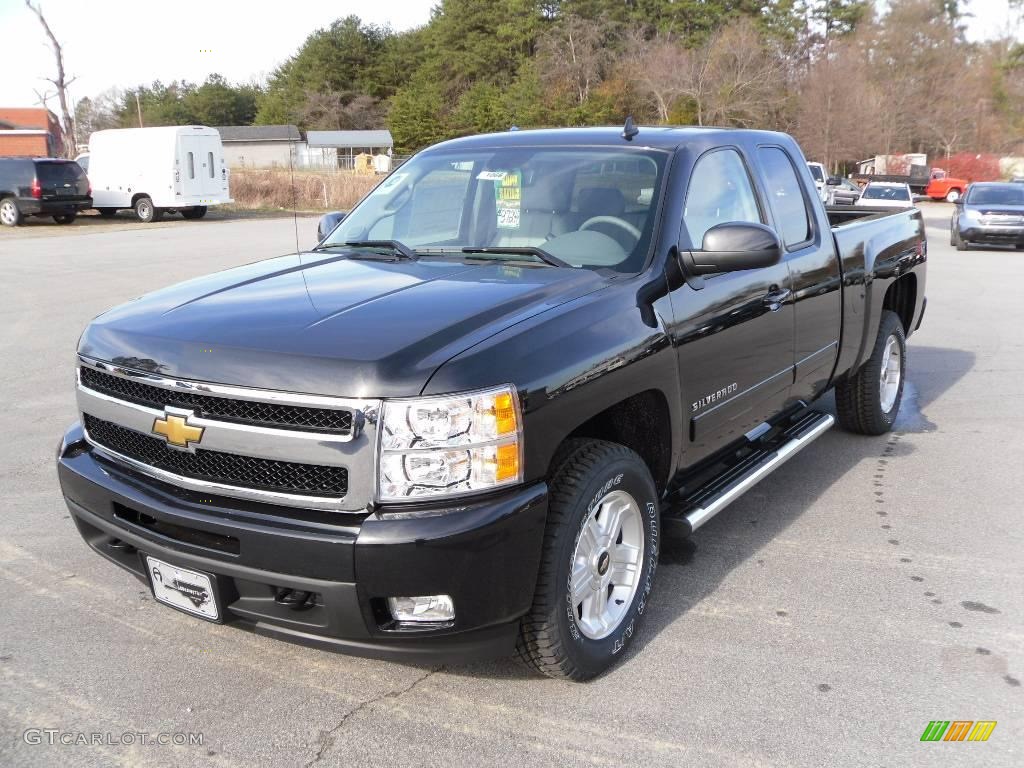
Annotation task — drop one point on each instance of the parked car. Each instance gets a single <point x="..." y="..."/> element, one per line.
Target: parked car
<point x="945" y="187"/>
<point x="843" y="191"/>
<point x="819" y="174"/>
<point x="327" y="223"/>
<point x="991" y="212"/>
<point x="42" y="186"/>
<point x="464" y="422"/>
<point x="886" y="194"/>
<point x="153" y="171"/>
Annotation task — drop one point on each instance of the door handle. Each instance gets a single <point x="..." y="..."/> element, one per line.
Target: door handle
<point x="774" y="300"/>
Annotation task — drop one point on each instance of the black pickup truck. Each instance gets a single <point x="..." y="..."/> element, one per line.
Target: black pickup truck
<point x="461" y="425"/>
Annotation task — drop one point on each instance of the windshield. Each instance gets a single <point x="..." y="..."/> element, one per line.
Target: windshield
<point x="591" y="208"/>
<point x="1002" y="195"/>
<point x="816" y="172"/>
<point x="874" y="192"/>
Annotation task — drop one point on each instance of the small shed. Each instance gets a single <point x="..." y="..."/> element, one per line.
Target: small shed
<point x="261" y="146"/>
<point x="339" y="149"/>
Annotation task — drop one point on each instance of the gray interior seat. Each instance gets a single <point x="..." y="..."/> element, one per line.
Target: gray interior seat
<point x="544" y="212"/>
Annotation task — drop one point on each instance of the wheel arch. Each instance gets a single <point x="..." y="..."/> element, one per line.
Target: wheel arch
<point x="901" y="298"/>
<point x="135" y="198"/>
<point x="642" y="423"/>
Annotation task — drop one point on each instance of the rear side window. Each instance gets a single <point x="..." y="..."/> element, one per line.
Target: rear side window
<point x="191" y="166"/>
<point x="209" y="162"/>
<point x="785" y="196"/>
<point x="50" y="174"/>
<point x="720" y="192"/>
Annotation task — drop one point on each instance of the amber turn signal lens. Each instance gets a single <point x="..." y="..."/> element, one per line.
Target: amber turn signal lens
<point x="508" y="462"/>
<point x="504" y="413"/>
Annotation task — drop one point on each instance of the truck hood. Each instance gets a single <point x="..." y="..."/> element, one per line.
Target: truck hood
<point x="328" y="324"/>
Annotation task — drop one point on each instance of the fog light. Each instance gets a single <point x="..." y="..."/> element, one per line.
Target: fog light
<point x="425" y="608"/>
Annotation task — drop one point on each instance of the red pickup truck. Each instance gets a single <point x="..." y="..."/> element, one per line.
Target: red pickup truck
<point x="944" y="187"/>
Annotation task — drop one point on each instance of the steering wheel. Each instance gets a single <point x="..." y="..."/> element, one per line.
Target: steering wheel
<point x="611" y="220"/>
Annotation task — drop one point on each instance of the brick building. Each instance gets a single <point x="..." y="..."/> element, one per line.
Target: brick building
<point x="29" y="132"/>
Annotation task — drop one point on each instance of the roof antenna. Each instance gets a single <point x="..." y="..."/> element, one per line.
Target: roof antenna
<point x="629" y="130"/>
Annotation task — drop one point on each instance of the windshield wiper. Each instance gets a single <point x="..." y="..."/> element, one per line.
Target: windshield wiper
<point x="395" y="246"/>
<point x="520" y="250"/>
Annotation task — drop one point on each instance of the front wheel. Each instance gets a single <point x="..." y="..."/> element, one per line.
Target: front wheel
<point x="869" y="400"/>
<point x="597" y="567"/>
<point x="953" y="195"/>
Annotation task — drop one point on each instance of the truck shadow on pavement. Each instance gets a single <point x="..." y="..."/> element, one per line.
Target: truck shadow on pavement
<point x="690" y="570"/>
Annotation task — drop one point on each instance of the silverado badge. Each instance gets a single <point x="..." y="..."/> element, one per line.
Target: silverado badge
<point x="176" y="430"/>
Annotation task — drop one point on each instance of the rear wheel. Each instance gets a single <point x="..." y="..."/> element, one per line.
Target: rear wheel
<point x="869" y="400"/>
<point x="64" y="218"/>
<point x="146" y="212"/>
<point x="10" y="215"/>
<point x="953" y="195"/>
<point x="597" y="567"/>
<point x="194" y="213"/>
<point x="107" y="213"/>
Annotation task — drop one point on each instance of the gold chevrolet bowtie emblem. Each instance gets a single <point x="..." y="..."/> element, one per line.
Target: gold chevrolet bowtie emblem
<point x="177" y="431"/>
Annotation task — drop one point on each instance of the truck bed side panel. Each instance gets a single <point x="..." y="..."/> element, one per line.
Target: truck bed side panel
<point x="874" y="252"/>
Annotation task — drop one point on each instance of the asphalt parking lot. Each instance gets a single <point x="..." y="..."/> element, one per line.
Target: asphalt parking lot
<point x="868" y="587"/>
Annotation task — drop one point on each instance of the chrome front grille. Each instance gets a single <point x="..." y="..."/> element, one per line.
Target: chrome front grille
<point x="221" y="408"/>
<point x="299" y="450"/>
<point x="217" y="467"/>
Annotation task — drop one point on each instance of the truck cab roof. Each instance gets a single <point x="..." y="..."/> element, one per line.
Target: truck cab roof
<point x="662" y="137"/>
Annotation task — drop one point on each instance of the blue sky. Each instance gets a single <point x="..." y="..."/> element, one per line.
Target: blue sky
<point x="126" y="42"/>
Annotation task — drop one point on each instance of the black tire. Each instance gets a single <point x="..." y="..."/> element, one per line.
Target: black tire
<point x="859" y="396"/>
<point x="146" y="212"/>
<point x="1019" y="247"/>
<point x="194" y="213"/>
<point x="550" y="638"/>
<point x="107" y="213"/>
<point x="961" y="244"/>
<point x="65" y="218"/>
<point x="10" y="213"/>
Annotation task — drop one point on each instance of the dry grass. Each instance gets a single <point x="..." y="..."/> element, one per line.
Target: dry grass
<point x="313" y="191"/>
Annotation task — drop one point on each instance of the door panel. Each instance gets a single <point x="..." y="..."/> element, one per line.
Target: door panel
<point x="814" y="270"/>
<point x="734" y="345"/>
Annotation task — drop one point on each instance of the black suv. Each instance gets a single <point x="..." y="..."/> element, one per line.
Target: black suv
<point x="43" y="186"/>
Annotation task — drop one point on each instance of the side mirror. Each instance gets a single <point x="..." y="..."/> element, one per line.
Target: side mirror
<point x="834" y="181"/>
<point x="735" y="246"/>
<point x="959" y="202"/>
<point x="327" y="224"/>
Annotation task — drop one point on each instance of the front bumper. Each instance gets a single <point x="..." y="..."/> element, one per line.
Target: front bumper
<point x="996" y="235"/>
<point x="484" y="553"/>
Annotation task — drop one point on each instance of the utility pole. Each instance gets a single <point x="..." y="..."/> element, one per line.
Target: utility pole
<point x="138" y="108"/>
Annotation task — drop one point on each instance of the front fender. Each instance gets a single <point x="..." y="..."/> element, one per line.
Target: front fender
<point x="571" y="363"/>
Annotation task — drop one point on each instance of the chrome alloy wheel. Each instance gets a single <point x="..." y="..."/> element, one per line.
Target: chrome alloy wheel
<point x="606" y="564"/>
<point x="8" y="213"/>
<point x="892" y="371"/>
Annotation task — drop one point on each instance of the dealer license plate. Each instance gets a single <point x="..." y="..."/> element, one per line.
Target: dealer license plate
<point x="187" y="590"/>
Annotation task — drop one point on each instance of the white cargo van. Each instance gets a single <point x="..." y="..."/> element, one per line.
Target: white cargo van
<point x="157" y="170"/>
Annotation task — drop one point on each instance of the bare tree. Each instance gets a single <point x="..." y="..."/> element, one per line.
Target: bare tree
<point x="340" y="111"/>
<point x="60" y="83"/>
<point x="577" y="55"/>
<point x="733" y="79"/>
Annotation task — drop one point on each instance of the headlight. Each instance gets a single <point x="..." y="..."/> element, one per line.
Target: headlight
<point x="450" y="445"/>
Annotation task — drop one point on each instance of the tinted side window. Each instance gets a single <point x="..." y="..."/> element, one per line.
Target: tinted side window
<point x="785" y="197"/>
<point x="191" y="166"/>
<point x="719" y="192"/>
<point x="209" y="162"/>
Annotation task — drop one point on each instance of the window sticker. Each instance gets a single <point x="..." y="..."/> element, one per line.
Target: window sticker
<point x="508" y="193"/>
<point x="491" y="175"/>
